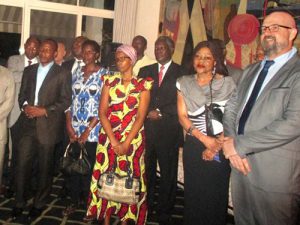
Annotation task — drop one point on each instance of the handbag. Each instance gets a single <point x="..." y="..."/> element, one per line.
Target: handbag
<point x="71" y="165"/>
<point x="122" y="189"/>
<point x="212" y="113"/>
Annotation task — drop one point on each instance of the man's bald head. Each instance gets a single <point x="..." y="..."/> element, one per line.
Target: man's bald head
<point x="283" y="17"/>
<point x="278" y="33"/>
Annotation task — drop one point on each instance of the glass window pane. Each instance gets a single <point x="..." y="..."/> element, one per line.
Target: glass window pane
<point x="59" y="26"/>
<point x="10" y="31"/>
<point x="98" y="4"/>
<point x="69" y="2"/>
<point x="98" y="29"/>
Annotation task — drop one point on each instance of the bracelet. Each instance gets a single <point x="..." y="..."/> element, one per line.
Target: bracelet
<point x="190" y="130"/>
<point x="90" y="128"/>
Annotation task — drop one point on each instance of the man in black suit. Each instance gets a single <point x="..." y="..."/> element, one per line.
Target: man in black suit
<point x="44" y="96"/>
<point x="162" y="128"/>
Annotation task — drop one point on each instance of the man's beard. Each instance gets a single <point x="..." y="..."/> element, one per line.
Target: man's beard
<point x="271" y="48"/>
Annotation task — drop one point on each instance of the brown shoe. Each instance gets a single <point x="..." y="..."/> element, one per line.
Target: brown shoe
<point x="69" y="210"/>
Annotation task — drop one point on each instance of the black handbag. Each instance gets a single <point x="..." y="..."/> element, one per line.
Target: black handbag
<point x="212" y="112"/>
<point x="70" y="164"/>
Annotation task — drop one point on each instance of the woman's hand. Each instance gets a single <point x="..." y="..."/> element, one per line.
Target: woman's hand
<point x="84" y="136"/>
<point x="72" y="134"/>
<point x="214" y="144"/>
<point x="208" y="154"/>
<point x="121" y="149"/>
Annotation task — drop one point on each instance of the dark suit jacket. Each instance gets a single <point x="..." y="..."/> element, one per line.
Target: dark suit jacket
<point x="54" y="94"/>
<point x="68" y="65"/>
<point x="163" y="98"/>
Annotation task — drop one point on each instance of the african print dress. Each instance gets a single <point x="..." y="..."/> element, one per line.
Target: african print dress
<point x="123" y="107"/>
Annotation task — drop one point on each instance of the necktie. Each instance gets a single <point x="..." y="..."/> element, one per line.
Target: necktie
<point x="78" y="67"/>
<point x="248" y="107"/>
<point x="29" y="62"/>
<point x="160" y="75"/>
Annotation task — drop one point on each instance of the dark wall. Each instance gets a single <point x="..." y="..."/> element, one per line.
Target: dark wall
<point x="9" y="45"/>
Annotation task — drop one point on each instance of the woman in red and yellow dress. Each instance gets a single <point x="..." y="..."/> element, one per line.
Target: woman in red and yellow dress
<point x="123" y="107"/>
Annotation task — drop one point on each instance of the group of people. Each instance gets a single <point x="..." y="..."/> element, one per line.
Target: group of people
<point x="246" y="128"/>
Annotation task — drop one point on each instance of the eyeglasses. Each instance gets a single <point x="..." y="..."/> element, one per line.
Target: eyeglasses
<point x="272" y="28"/>
<point x="121" y="59"/>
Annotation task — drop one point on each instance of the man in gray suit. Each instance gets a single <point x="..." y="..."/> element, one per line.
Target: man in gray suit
<point x="262" y="125"/>
<point x="16" y="65"/>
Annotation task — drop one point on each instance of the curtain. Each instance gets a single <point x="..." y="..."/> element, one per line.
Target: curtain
<point x="124" y="21"/>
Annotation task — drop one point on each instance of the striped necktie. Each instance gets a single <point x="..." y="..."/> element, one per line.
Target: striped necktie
<point x="160" y="75"/>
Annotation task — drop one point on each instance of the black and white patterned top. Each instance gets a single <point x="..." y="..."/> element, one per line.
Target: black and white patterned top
<point x="196" y="97"/>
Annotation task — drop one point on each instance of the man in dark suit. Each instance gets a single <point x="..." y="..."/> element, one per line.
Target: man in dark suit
<point x="44" y="96"/>
<point x="162" y="128"/>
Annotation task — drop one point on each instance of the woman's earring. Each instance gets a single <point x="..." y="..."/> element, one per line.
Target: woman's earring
<point x="214" y="70"/>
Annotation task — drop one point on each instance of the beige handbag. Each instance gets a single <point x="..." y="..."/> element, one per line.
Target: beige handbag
<point x="122" y="189"/>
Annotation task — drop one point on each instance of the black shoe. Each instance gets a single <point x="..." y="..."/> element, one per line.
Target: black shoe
<point x="16" y="212"/>
<point x="34" y="213"/>
<point x="9" y="193"/>
<point x="165" y="220"/>
<point x="63" y="193"/>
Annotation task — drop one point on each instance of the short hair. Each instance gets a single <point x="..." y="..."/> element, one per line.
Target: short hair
<point x="167" y="40"/>
<point x="92" y="43"/>
<point x="142" y="38"/>
<point x="217" y="53"/>
<point x="53" y="42"/>
<point x="33" y="38"/>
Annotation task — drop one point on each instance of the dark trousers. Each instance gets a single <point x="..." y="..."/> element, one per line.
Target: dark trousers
<point x="206" y="185"/>
<point x="165" y="152"/>
<point x="31" y="149"/>
<point x="79" y="185"/>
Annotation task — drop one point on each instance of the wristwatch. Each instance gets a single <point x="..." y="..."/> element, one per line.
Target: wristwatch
<point x="190" y="130"/>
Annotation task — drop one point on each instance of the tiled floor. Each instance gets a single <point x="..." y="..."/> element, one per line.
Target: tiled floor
<point x="52" y="215"/>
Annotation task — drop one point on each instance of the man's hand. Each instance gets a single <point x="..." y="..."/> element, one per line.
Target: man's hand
<point x="34" y="111"/>
<point x="240" y="164"/>
<point x="154" y="115"/>
<point x="236" y="161"/>
<point x="228" y="147"/>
